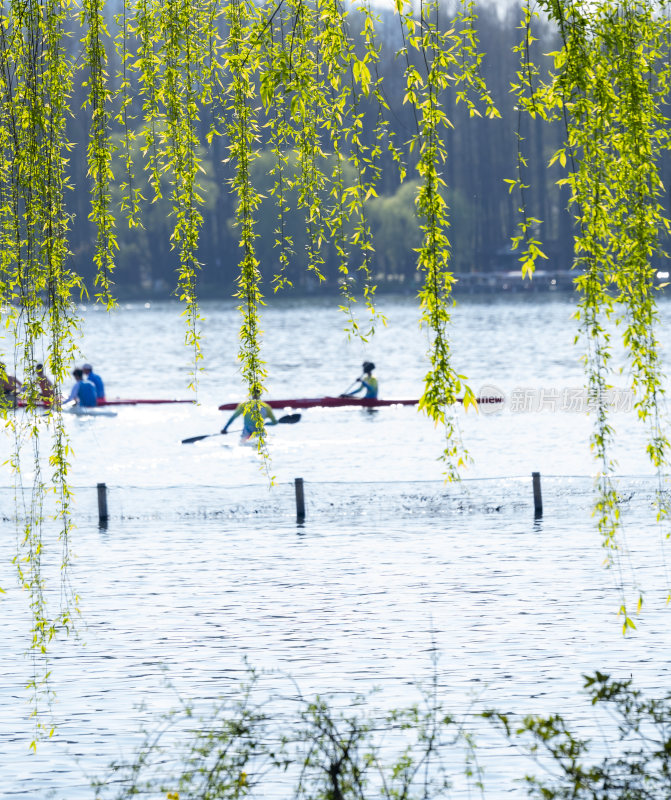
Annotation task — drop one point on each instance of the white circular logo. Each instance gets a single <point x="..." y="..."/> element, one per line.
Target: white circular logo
<point x="491" y="400"/>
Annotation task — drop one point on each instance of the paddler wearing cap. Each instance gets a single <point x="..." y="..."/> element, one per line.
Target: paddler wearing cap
<point x="96" y="380"/>
<point x="366" y="382"/>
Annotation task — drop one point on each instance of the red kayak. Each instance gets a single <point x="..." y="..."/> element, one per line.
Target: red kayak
<point x="335" y="402"/>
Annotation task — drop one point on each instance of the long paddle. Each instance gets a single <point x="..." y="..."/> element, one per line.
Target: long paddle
<point x="350" y="387"/>
<point x="288" y="419"/>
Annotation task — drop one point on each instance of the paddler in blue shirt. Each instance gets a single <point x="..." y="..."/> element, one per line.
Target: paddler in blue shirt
<point x="367" y="381"/>
<point x="83" y="393"/>
<point x="96" y="380"/>
<point x="250" y="422"/>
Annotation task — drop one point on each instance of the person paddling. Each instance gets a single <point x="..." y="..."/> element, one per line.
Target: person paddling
<point x="45" y="387"/>
<point x="9" y="385"/>
<point x="96" y="380"/>
<point x="83" y="393"/>
<point x="251" y="421"/>
<point x="366" y="382"/>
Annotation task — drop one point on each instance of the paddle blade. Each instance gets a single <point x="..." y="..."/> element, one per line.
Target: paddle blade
<point x="289" y="419"/>
<point x="192" y="439"/>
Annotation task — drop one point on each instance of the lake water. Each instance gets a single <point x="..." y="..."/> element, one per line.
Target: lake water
<point x="202" y="563"/>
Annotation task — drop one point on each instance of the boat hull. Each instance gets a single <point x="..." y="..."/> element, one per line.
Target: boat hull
<point x="122" y="402"/>
<point x="116" y="402"/>
<point x="337" y="402"/>
<point x="89" y="411"/>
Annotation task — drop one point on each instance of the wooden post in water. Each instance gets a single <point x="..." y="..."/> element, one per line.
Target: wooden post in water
<point x="300" y="500"/>
<point x="538" y="499"/>
<point x="102" y="504"/>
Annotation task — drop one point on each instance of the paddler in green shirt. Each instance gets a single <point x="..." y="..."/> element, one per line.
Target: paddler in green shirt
<point x="367" y="382"/>
<point x="250" y="421"/>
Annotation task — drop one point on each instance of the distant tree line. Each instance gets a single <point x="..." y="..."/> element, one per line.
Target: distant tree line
<point x="483" y="154"/>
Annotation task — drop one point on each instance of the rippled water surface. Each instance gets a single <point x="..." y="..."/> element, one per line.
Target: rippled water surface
<point x="202" y="563"/>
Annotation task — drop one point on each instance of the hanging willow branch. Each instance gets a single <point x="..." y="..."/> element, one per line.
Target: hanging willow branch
<point x="436" y="59"/>
<point x="243" y="132"/>
<point x="610" y="85"/>
<point x="36" y="75"/>
<point x="100" y="146"/>
<point x="293" y="78"/>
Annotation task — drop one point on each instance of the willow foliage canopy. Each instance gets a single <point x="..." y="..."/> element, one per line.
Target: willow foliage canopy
<point x="298" y="79"/>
